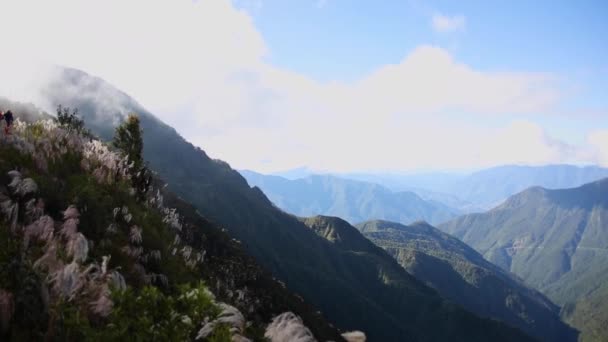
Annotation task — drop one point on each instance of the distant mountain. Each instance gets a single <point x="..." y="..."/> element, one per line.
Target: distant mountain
<point x="557" y="241"/>
<point x="461" y="274"/>
<point x="351" y="200"/>
<point x="486" y="188"/>
<point x="352" y="296"/>
<point x="492" y="186"/>
<point x="299" y="172"/>
<point x="429" y="181"/>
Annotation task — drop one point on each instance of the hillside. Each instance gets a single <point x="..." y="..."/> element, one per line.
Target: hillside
<point x="462" y="275"/>
<point x="556" y="240"/>
<point x="309" y="265"/>
<point x="82" y="258"/>
<point x="423" y="303"/>
<point x="354" y="201"/>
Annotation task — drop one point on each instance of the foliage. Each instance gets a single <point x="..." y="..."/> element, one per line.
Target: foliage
<point x="128" y="139"/>
<point x="104" y="264"/>
<point x="69" y="119"/>
<point x="589" y="314"/>
<point x="150" y="315"/>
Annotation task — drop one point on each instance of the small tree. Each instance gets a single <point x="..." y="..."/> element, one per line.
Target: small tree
<point x="128" y="139"/>
<point x="68" y="118"/>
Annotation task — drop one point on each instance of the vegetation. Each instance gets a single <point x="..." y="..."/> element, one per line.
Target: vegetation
<point x="83" y="258"/>
<point x="70" y="121"/>
<point x="128" y="139"/>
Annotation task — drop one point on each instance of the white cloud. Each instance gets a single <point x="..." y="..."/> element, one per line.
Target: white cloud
<point x="598" y="140"/>
<point x="156" y="50"/>
<point x="201" y="67"/>
<point x="444" y="23"/>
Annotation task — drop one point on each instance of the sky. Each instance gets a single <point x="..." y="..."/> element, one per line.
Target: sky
<point x="337" y="85"/>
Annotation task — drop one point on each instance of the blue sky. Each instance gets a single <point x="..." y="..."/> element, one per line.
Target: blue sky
<point x="340" y="40"/>
<point x="344" y="40"/>
<point x="342" y="85"/>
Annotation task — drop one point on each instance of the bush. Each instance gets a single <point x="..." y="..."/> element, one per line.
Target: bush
<point x="68" y="118"/>
<point x="150" y="315"/>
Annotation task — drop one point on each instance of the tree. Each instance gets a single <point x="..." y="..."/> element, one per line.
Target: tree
<point x="68" y="118"/>
<point x="128" y="138"/>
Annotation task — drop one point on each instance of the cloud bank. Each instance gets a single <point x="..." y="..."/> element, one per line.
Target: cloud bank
<point x="201" y="67"/>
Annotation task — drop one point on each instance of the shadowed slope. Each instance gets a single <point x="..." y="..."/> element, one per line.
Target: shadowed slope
<point x="461" y="274"/>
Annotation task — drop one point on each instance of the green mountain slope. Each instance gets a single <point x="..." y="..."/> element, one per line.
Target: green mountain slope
<point x="354" y="201"/>
<point x="82" y="258"/>
<point x="462" y="275"/>
<point x="349" y="295"/>
<point x="422" y="303"/>
<point x="556" y="240"/>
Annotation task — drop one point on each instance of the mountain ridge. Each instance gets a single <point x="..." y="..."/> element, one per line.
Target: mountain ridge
<point x="486" y="188"/>
<point x="461" y="274"/>
<point x="554" y="239"/>
<point x="354" y="201"/>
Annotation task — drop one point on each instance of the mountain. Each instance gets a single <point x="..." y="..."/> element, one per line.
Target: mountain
<point x="557" y="241"/>
<point x="374" y="259"/>
<point x="492" y="186"/>
<point x="324" y="275"/>
<point x="486" y="188"/>
<point x="351" y="200"/>
<point x="433" y="181"/>
<point x="83" y="258"/>
<point x="462" y="275"/>
<point x="299" y="172"/>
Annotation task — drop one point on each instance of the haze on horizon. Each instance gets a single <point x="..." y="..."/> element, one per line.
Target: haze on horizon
<point x="336" y="85"/>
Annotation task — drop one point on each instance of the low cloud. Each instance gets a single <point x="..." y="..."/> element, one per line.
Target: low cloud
<point x="443" y="23"/>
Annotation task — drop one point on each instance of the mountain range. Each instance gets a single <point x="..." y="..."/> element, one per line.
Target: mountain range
<point x="461" y="274"/>
<point x="388" y="305"/>
<point x="354" y="201"/>
<point x="484" y="189"/>
<point x="374" y="259"/>
<point x="557" y="242"/>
